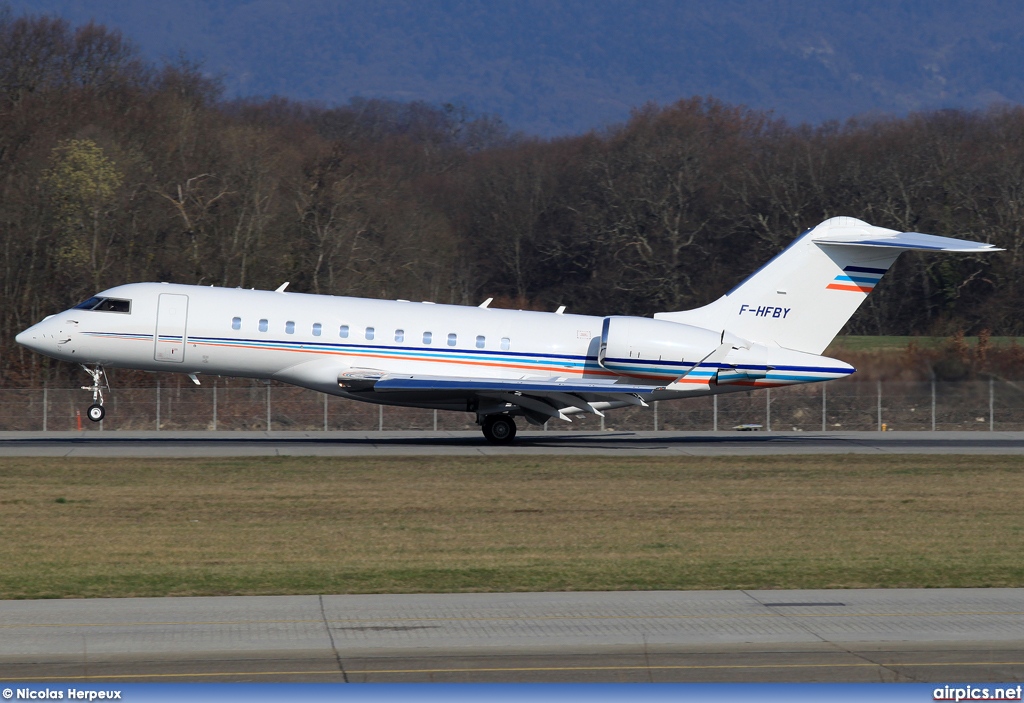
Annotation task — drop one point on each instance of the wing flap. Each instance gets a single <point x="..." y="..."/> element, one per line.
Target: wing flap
<point x="526" y="402"/>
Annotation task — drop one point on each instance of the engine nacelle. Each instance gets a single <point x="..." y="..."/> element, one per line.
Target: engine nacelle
<point x="638" y="346"/>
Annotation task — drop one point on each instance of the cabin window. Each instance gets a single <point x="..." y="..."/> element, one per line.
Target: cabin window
<point x="453" y="339"/>
<point x="399" y="335"/>
<point x="317" y="327"/>
<point x="289" y="327"/>
<point x="343" y="332"/>
<point x="480" y="341"/>
<point x="369" y="333"/>
<point x="506" y="343"/>
<point x="427" y="337"/>
<point x="264" y="325"/>
<point x="236" y="323"/>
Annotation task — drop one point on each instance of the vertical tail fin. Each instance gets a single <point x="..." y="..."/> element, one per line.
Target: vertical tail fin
<point x="802" y="298"/>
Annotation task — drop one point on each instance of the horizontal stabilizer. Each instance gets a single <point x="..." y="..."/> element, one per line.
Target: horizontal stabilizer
<point x="902" y="240"/>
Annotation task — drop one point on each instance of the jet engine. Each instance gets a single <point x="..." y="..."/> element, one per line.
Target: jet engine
<point x="638" y="346"/>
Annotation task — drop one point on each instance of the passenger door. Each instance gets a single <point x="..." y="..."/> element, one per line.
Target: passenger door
<point x="171" y="315"/>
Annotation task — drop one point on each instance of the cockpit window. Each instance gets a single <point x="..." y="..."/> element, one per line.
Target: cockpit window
<point x="114" y="305"/>
<point x="105" y="305"/>
<point x="88" y="304"/>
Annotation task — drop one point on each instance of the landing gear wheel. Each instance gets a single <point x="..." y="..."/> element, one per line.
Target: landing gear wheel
<point x="99" y="382"/>
<point x="499" y="429"/>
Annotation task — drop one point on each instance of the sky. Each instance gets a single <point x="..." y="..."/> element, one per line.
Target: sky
<point x="563" y="67"/>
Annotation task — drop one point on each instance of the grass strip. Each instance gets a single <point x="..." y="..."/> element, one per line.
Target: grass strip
<point x="136" y="527"/>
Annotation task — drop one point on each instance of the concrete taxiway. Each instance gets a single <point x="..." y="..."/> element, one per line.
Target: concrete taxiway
<point x="612" y="443"/>
<point x="936" y="635"/>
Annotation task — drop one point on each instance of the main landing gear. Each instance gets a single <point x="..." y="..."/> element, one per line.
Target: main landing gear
<point x="499" y="428"/>
<point x="99" y="382"/>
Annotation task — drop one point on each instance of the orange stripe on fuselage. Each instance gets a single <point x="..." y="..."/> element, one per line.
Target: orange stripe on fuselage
<point x="848" y="286"/>
<point x="392" y="357"/>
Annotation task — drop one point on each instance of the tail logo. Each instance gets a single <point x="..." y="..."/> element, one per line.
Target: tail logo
<point x="856" y="278"/>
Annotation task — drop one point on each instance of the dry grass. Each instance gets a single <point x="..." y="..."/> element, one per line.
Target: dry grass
<point x="99" y="527"/>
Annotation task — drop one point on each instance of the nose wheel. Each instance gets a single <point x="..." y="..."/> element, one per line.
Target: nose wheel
<point x="99" y="382"/>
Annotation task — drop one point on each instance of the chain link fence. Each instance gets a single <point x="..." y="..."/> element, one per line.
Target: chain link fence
<point x="838" y="406"/>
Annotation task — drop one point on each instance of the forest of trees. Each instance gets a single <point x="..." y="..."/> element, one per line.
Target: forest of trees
<point x="114" y="170"/>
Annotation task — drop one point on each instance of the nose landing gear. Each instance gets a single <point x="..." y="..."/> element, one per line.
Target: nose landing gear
<point x="96" y="411"/>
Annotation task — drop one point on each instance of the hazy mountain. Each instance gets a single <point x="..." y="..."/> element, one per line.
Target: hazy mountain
<point x="564" y="66"/>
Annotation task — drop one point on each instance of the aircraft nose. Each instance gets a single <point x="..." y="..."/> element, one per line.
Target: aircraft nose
<point x="31" y="338"/>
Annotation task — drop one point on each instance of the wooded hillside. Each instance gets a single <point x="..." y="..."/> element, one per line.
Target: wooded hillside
<point x="113" y="170"/>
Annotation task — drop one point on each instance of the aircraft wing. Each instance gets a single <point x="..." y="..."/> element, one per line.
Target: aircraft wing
<point x="401" y="382"/>
<point x="546" y="397"/>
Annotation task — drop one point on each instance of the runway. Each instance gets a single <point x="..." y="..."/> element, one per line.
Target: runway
<point x="612" y="443"/>
<point x="934" y="635"/>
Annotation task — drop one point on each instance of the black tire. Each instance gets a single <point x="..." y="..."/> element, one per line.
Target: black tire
<point x="96" y="412"/>
<point x="499" y="429"/>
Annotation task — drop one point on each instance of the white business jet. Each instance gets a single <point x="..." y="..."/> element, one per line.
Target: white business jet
<point x="769" y="331"/>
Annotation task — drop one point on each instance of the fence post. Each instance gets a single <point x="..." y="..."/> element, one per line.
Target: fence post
<point x="768" y="410"/>
<point x="268" y="406"/>
<point x="325" y="412"/>
<point x="158" y="406"/>
<point x="991" y="404"/>
<point x="714" y="426"/>
<point x="655" y="416"/>
<point x="380" y="418"/>
<point x="933" y="405"/>
<point x="824" y="405"/>
<point x="45" y="404"/>
<point x="435" y="419"/>
<point x="215" y="406"/>
<point x="879" y="405"/>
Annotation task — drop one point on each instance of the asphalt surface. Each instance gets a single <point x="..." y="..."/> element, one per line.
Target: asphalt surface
<point x="934" y="635"/>
<point x="611" y="443"/>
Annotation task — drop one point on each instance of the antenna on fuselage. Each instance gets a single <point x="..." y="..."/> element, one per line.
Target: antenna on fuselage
<point x="280" y="288"/>
<point x="485" y="303"/>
